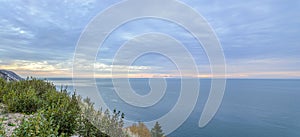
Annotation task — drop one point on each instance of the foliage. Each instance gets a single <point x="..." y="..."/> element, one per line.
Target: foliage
<point x="40" y="86"/>
<point x="2" y="88"/>
<point x="156" y="131"/>
<point x="140" y="129"/>
<point x="24" y="102"/>
<point x="2" y="131"/>
<point x="86" y="128"/>
<point x="65" y="112"/>
<point x="56" y="113"/>
<point x="31" y="95"/>
<point x="24" y="96"/>
<point x="37" y="126"/>
<point x="112" y="125"/>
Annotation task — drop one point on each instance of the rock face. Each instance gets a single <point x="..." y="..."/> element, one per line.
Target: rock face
<point x="9" y="75"/>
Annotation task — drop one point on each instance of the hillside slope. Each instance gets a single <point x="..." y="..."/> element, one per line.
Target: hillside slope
<point x="9" y="75"/>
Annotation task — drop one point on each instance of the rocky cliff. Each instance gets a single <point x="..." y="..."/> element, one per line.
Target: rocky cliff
<point x="9" y="75"/>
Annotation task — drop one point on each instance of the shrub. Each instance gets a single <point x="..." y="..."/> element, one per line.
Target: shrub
<point x="24" y="102"/>
<point x="2" y="131"/>
<point x="59" y="114"/>
<point x="64" y="111"/>
<point x="111" y="125"/>
<point x="2" y="88"/>
<point x="37" y="126"/>
<point x="140" y="129"/>
<point x="87" y="129"/>
<point x="40" y="86"/>
<point x="29" y="96"/>
<point x="24" y="96"/>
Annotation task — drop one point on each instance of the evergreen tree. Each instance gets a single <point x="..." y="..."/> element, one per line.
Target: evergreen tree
<point x="156" y="131"/>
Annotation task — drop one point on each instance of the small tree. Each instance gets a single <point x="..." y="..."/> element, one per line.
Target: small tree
<point x="140" y="129"/>
<point x="156" y="131"/>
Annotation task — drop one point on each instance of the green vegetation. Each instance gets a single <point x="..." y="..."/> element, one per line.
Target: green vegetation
<point x="25" y="101"/>
<point x="64" y="111"/>
<point x="57" y="113"/>
<point x="156" y="131"/>
<point x="2" y="131"/>
<point x="110" y="124"/>
<point x="11" y="124"/>
<point x="38" y="126"/>
<point x="33" y="95"/>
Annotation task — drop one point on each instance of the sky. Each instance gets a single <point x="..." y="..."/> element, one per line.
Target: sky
<point x="260" y="38"/>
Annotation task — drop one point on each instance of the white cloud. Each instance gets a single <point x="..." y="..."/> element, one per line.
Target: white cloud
<point x="100" y="67"/>
<point x="33" y="31"/>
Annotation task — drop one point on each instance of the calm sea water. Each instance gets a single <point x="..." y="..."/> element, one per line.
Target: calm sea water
<point x="250" y="107"/>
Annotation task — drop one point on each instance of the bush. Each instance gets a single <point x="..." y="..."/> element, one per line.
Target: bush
<point x="29" y="96"/>
<point x="140" y="129"/>
<point x="2" y="89"/>
<point x="24" y="96"/>
<point x="40" y="86"/>
<point x="87" y="129"/>
<point x="64" y="110"/>
<point x="112" y="125"/>
<point x="2" y="131"/>
<point x="59" y="114"/>
<point x="37" y="126"/>
<point x="24" y="102"/>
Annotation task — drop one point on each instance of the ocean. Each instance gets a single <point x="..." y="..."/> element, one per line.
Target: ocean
<point x="250" y="107"/>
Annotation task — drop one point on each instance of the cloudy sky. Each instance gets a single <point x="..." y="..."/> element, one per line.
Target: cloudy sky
<point x="260" y="39"/>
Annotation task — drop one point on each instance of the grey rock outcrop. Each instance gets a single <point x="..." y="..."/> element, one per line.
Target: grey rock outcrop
<point x="9" y="75"/>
